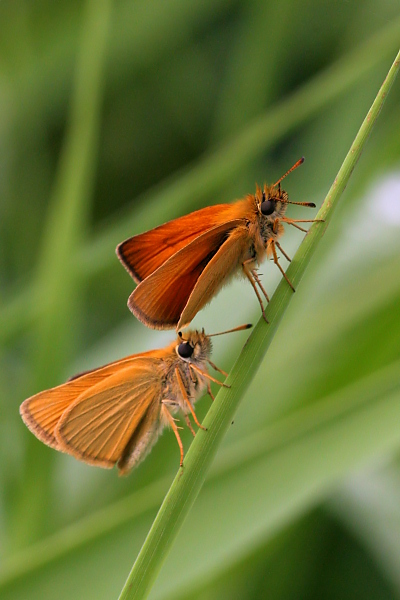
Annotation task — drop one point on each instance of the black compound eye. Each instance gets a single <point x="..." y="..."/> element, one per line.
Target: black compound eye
<point x="185" y="350"/>
<point x="268" y="207"/>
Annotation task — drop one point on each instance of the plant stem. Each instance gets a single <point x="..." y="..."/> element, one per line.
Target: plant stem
<point x="190" y="477"/>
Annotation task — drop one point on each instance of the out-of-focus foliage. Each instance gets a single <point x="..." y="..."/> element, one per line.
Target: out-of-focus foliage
<point x="117" y="117"/>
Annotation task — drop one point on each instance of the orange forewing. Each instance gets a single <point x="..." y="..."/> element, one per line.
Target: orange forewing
<point x="160" y="299"/>
<point x="216" y="273"/>
<point x="98" y="426"/>
<point x="142" y="254"/>
<point x="42" y="412"/>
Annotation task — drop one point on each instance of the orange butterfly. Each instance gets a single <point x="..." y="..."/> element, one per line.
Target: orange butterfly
<point x="114" y="414"/>
<point x="181" y="265"/>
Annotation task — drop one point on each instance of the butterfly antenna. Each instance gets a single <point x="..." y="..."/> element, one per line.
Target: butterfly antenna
<point x="240" y="328"/>
<point x="309" y="204"/>
<point x="296" y="164"/>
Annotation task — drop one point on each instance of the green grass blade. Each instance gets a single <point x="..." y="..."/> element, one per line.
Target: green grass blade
<point x="189" y="479"/>
<point x="64" y="232"/>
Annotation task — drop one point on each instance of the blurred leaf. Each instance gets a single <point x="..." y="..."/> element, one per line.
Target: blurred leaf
<point x="53" y="337"/>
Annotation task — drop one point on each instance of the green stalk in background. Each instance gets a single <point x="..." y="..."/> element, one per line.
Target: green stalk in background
<point x="63" y="233"/>
<point x="190" y="477"/>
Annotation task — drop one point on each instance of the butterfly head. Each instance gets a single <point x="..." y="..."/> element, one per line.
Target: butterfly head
<point x="271" y="202"/>
<point x="193" y="346"/>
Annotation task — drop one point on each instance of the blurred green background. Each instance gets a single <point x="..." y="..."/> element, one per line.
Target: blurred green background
<point x="115" y="117"/>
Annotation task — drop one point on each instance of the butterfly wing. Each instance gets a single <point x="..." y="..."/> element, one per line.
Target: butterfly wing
<point x="100" y="423"/>
<point x="142" y="254"/>
<point x="160" y="299"/>
<point x="42" y="411"/>
<point x="222" y="265"/>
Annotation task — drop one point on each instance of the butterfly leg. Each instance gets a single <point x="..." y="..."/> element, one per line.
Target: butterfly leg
<point x="194" y="378"/>
<point x="283" y="252"/>
<point x="209" y="392"/>
<point x="188" y="423"/>
<point x="250" y="277"/>
<point x="271" y="245"/>
<point x="216" y="368"/>
<point x="174" y="428"/>
<point x="186" y="398"/>
<point x="260" y="285"/>
<point x="295" y="221"/>
<point x="207" y="375"/>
